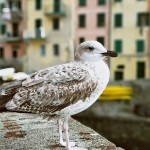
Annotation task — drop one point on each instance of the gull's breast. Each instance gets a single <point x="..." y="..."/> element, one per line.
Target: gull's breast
<point x="102" y="78"/>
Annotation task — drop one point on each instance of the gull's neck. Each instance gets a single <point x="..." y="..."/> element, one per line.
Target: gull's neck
<point x="99" y="67"/>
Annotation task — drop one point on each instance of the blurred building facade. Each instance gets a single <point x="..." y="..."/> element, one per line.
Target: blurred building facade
<point x="130" y="37"/>
<point x="48" y="33"/>
<point x="35" y="34"/>
<point x="11" y="26"/>
<point x="92" y="21"/>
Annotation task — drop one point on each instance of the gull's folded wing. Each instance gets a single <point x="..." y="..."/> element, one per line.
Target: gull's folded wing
<point x="53" y="89"/>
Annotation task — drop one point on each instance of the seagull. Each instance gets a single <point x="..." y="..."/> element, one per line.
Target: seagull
<point x="63" y="90"/>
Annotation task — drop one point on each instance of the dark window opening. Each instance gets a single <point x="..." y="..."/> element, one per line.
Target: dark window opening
<point x="143" y="19"/>
<point x="19" y="5"/>
<point x="120" y="66"/>
<point x="56" y="24"/>
<point x="118" y="0"/>
<point x="38" y="24"/>
<point x="1" y="52"/>
<point x="56" y="50"/>
<point x="81" y="39"/>
<point x="101" y="40"/>
<point x="14" y="54"/>
<point x="15" y="29"/>
<point x="140" y="70"/>
<point x="119" y="75"/>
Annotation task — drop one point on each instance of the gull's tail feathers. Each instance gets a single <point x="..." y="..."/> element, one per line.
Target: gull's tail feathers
<point x="7" y="92"/>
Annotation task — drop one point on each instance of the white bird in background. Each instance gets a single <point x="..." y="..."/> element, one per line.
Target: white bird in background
<point x="62" y="90"/>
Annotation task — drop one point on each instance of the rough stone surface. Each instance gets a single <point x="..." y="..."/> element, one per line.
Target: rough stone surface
<point x="20" y="131"/>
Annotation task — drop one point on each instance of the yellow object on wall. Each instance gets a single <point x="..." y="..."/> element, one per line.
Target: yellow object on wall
<point x="117" y="93"/>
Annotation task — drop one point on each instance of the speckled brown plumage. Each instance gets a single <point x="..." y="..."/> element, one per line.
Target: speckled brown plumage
<point x="51" y="90"/>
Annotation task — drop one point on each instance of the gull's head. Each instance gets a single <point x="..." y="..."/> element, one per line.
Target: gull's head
<point x="92" y="51"/>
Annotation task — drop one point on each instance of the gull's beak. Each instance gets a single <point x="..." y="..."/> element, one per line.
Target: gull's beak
<point x="110" y="53"/>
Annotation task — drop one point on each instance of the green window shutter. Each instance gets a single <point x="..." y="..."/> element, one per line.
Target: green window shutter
<point x="101" y="2"/>
<point x="100" y="19"/>
<point x="3" y="29"/>
<point x="118" y="20"/>
<point x="82" y="2"/>
<point x="38" y="4"/>
<point x="57" y="5"/>
<point x="140" y="46"/>
<point x="117" y="0"/>
<point x="118" y="46"/>
<point x="82" y="20"/>
<point x="1" y="7"/>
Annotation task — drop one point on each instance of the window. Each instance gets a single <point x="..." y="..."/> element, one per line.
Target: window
<point x="82" y="19"/>
<point x="117" y="0"/>
<point x="120" y="66"/>
<point x="81" y="39"/>
<point x="1" y="52"/>
<point x="82" y="2"/>
<point x="56" y="24"/>
<point x="38" y="24"/>
<point x="100" y="19"/>
<point x="3" y="29"/>
<point x="119" y="75"/>
<point x="15" y="29"/>
<point x="101" y="2"/>
<point x="38" y="4"/>
<point x="101" y="40"/>
<point x="140" y="70"/>
<point x="56" y="50"/>
<point x="118" y="20"/>
<point x="14" y="54"/>
<point x="57" y="5"/>
<point x="42" y="50"/>
<point x="15" y="51"/>
<point x="1" y="7"/>
<point x="140" y="46"/>
<point x="19" y="5"/>
<point x="118" y="46"/>
<point x="143" y="19"/>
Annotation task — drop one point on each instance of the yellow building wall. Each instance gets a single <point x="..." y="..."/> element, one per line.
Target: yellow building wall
<point x="63" y="36"/>
<point x="128" y="33"/>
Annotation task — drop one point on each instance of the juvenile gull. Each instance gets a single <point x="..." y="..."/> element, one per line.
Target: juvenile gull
<point x="62" y="90"/>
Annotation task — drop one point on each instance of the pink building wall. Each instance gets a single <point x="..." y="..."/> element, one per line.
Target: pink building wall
<point x="91" y="31"/>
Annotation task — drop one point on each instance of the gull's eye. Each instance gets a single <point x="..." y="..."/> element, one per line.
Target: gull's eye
<point x="91" y="48"/>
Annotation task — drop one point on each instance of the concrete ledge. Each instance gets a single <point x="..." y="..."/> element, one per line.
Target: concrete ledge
<point x="20" y="131"/>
